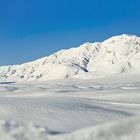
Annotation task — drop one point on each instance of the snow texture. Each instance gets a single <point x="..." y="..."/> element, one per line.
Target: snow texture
<point x="70" y="110"/>
<point x="124" y="130"/>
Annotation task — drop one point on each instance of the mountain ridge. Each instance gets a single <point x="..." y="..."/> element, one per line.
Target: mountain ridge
<point x="114" y="56"/>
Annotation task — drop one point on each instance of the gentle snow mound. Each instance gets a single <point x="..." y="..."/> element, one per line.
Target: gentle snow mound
<point x="124" y="130"/>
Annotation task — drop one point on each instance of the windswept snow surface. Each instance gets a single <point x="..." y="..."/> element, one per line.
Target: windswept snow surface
<point x="116" y="56"/>
<point x="70" y="110"/>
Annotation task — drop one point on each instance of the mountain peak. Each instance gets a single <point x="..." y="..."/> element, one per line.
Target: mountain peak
<point x="115" y="56"/>
<point x="123" y="37"/>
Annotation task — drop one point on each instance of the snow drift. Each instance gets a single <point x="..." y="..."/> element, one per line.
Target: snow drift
<point x="118" y="55"/>
<point x="123" y="130"/>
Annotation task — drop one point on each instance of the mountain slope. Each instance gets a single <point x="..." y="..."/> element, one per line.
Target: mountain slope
<point x="115" y="56"/>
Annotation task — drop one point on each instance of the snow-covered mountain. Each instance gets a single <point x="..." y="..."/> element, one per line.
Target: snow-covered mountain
<point x="118" y="55"/>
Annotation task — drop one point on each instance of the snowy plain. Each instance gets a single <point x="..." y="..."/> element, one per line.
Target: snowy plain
<point x="70" y="110"/>
<point x="87" y="93"/>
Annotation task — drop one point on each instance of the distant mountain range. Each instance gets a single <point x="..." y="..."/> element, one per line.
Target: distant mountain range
<point x="118" y="55"/>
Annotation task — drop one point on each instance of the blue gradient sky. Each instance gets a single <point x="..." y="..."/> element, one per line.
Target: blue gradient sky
<point x="30" y="29"/>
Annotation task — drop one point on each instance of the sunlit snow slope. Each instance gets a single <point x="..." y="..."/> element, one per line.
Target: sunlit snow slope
<point x="119" y="55"/>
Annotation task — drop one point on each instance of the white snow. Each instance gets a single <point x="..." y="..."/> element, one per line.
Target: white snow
<point x="124" y="130"/>
<point x="85" y="93"/>
<point x="118" y="55"/>
<point x="59" y="109"/>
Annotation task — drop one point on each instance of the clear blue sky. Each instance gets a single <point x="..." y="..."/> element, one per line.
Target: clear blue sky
<point x="30" y="29"/>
